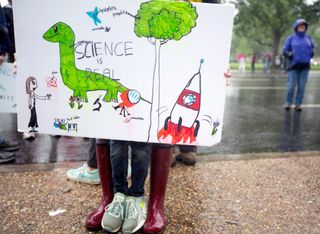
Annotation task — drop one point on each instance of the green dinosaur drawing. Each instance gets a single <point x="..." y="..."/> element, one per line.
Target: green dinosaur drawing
<point x="79" y="81"/>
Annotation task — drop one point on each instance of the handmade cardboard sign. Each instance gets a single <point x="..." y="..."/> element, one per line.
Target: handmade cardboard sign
<point x="149" y="71"/>
<point x="7" y="89"/>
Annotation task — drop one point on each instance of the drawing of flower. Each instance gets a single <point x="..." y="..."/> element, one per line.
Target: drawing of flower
<point x="215" y="126"/>
<point x="79" y="103"/>
<point x="71" y="103"/>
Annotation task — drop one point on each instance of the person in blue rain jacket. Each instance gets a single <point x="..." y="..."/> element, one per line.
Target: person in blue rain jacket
<point x="299" y="49"/>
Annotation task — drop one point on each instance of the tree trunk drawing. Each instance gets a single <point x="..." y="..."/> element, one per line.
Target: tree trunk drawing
<point x="155" y="95"/>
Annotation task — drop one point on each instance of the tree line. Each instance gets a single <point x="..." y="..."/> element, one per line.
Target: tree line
<point x="265" y="24"/>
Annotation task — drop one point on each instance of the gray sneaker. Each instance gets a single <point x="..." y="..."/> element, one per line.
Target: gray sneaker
<point x="9" y="146"/>
<point x="114" y="214"/>
<point x="136" y="213"/>
<point x="6" y="156"/>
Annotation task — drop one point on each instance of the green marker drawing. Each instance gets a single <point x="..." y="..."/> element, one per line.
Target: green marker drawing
<point x="80" y="81"/>
<point x="161" y="21"/>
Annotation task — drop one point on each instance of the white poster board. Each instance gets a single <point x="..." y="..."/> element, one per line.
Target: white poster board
<point x="8" y="101"/>
<point x="149" y="71"/>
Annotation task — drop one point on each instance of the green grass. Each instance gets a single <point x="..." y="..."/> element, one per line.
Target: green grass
<point x="315" y="68"/>
<point x="259" y="67"/>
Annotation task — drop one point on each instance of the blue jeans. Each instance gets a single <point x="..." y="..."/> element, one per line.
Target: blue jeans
<point x="296" y="78"/>
<point x="140" y="156"/>
<point x="92" y="161"/>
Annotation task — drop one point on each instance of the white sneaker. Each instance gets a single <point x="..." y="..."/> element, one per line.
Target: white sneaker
<point x="136" y="214"/>
<point x="114" y="213"/>
<point x="29" y="135"/>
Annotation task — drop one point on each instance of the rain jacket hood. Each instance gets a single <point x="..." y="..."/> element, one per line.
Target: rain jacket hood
<point x="298" y="22"/>
<point x="298" y="47"/>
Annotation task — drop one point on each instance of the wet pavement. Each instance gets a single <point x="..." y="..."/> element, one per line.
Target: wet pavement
<point x="279" y="195"/>
<point x="254" y="122"/>
<point x="47" y="148"/>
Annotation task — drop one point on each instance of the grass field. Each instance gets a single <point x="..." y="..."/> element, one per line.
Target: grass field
<point x="259" y="67"/>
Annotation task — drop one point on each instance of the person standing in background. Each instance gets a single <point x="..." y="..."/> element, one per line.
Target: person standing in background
<point x="7" y="9"/>
<point x="10" y="48"/>
<point x="242" y="64"/>
<point x="253" y="62"/>
<point x="299" y="49"/>
<point x="6" y="147"/>
<point x="4" y="40"/>
<point x="88" y="172"/>
<point x="266" y="62"/>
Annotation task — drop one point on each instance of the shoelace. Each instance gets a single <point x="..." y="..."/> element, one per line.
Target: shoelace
<point x="131" y="210"/>
<point x="115" y="208"/>
<point x="82" y="169"/>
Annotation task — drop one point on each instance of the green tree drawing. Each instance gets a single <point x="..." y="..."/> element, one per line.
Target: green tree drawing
<point x="161" y="21"/>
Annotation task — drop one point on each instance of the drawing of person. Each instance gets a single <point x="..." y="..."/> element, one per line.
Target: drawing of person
<point x="31" y="85"/>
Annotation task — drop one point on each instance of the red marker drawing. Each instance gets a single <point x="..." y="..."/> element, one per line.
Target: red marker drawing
<point x="182" y="124"/>
<point x="51" y="82"/>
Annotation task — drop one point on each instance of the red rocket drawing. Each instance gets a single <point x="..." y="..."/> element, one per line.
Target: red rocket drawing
<point x="182" y="124"/>
<point x="129" y="98"/>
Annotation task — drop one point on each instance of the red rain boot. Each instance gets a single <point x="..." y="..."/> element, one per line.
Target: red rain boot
<point x="160" y="168"/>
<point x="93" y="220"/>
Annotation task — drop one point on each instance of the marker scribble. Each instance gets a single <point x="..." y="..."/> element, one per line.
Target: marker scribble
<point x="94" y="16"/>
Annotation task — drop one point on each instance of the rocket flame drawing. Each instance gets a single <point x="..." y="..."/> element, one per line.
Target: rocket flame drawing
<point x="182" y="124"/>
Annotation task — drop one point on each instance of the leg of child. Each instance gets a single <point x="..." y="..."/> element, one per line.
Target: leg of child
<point x="159" y="174"/>
<point x="114" y="215"/>
<point x="139" y="163"/>
<point x="136" y="208"/>
<point x="93" y="220"/>
<point x="129" y="211"/>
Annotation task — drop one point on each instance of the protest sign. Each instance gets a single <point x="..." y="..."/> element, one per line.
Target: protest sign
<point x="149" y="71"/>
<point x="7" y="89"/>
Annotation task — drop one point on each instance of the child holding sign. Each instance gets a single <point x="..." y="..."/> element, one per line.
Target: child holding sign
<point x="128" y="208"/>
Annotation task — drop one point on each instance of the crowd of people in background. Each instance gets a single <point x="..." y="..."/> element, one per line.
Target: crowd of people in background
<point x="265" y="58"/>
<point x="298" y="50"/>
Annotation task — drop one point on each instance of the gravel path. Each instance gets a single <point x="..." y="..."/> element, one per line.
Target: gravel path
<point x="275" y="195"/>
